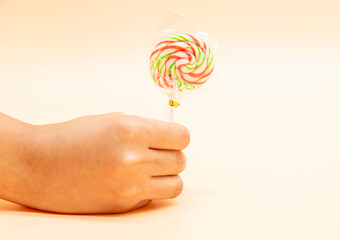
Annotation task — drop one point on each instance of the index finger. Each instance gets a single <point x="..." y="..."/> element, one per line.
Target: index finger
<point x="166" y="135"/>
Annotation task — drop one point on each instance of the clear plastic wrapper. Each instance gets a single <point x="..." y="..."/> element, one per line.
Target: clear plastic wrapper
<point x="182" y="59"/>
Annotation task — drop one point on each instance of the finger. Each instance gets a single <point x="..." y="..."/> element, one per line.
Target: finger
<point x="166" y="135"/>
<point x="166" y="162"/>
<point x="164" y="187"/>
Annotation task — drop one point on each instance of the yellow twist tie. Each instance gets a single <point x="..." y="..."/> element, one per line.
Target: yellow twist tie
<point x="173" y="103"/>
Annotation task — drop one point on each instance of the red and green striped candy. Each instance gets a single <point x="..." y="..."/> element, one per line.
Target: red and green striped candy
<point x="182" y="60"/>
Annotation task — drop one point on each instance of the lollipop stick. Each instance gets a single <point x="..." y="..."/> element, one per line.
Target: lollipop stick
<point x="173" y="104"/>
<point x="171" y="115"/>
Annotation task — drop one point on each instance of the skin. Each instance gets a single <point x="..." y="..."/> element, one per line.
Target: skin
<point x="110" y="163"/>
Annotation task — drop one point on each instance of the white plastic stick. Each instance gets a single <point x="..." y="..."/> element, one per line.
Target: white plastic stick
<point x="171" y="115"/>
<point x="174" y="96"/>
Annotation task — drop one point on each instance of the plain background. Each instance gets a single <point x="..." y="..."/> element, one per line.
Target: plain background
<point x="264" y="158"/>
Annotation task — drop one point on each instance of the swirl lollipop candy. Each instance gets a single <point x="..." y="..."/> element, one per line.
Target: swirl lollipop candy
<point x="181" y="62"/>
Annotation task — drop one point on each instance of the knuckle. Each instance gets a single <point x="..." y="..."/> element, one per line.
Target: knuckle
<point x="127" y="158"/>
<point x="128" y="127"/>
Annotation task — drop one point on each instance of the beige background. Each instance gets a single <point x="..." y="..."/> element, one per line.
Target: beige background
<point x="264" y="158"/>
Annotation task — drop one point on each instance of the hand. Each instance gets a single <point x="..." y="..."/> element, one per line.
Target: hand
<point x="107" y="163"/>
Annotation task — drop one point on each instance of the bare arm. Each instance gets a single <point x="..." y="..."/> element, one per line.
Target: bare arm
<point x="94" y="164"/>
<point x="14" y="140"/>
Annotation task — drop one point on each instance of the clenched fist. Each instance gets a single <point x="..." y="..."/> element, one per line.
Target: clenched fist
<point x="106" y="163"/>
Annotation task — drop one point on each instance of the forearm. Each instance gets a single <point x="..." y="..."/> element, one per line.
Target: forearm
<point x="14" y="142"/>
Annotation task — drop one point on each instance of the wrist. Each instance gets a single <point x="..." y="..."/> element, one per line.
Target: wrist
<point x="16" y="140"/>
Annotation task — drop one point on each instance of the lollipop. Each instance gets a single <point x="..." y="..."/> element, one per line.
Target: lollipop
<point x="179" y="63"/>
